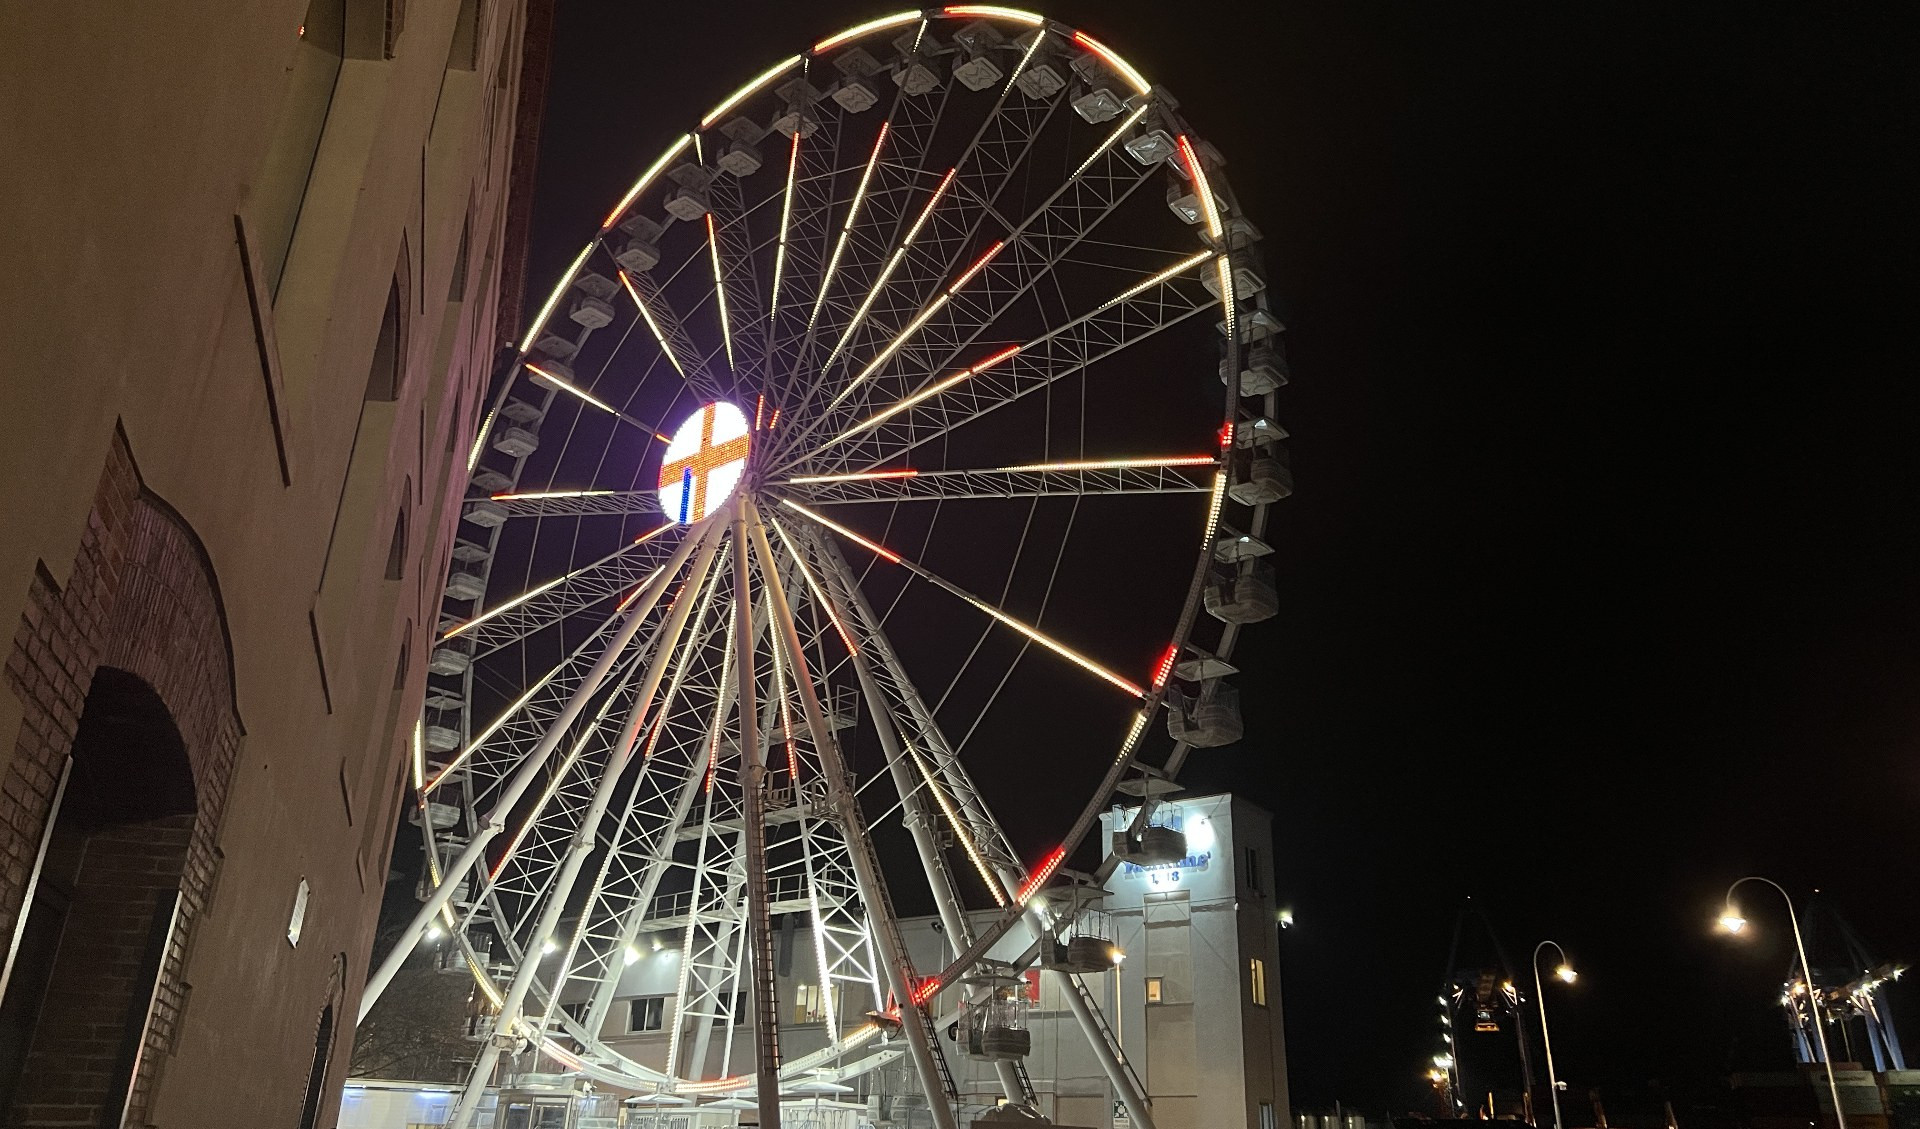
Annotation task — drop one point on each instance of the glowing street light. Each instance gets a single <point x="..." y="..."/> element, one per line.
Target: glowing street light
<point x="1732" y="922"/>
<point x="1566" y="973"/>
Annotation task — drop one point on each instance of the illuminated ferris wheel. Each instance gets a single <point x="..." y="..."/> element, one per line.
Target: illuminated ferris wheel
<point x="903" y="438"/>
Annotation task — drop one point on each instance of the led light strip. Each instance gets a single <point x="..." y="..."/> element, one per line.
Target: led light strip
<point x="419" y="756"/>
<point x="913" y="326"/>
<point x="553" y="299"/>
<point x="994" y="12"/>
<point x="1107" y="56"/>
<point x="857" y="476"/>
<point x="566" y="387"/>
<point x="1165" y="669"/>
<point x="1029" y="468"/>
<point x="646" y="178"/>
<point x="813" y="585"/>
<point x="1041" y="873"/>
<point x="894" y="262"/>
<point x="960" y="831"/>
<point x="1034" y="634"/>
<point x="548" y="494"/>
<point x="846" y="229"/>
<point x="874" y="547"/>
<point x="1020" y="68"/>
<point x="926" y="393"/>
<point x="1113" y="138"/>
<point x="634" y="293"/>
<point x="1208" y="207"/>
<point x="720" y="290"/>
<point x="480" y="440"/>
<point x="786" y="216"/>
<point x="734" y="99"/>
<point x="1173" y="271"/>
<point x="859" y="30"/>
<point x="1102" y="464"/>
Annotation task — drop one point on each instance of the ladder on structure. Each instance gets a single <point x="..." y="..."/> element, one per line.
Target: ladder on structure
<point x="911" y="1011"/>
<point x="1106" y="1031"/>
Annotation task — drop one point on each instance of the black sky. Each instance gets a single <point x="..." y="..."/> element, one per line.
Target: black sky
<point x="1599" y="585"/>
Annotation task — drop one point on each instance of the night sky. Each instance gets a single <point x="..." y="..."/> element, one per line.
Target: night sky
<point x="1599" y="584"/>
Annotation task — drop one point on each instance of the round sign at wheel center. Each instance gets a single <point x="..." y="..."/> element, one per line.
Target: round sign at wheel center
<point x="704" y="462"/>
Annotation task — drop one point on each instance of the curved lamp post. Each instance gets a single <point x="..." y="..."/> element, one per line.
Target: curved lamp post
<point x="1565" y="972"/>
<point x="1732" y="922"/>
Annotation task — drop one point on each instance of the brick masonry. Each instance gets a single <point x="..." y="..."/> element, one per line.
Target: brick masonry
<point x="141" y="597"/>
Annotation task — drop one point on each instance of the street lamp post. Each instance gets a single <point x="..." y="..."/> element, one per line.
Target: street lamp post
<point x="1732" y="922"/>
<point x="1566" y="973"/>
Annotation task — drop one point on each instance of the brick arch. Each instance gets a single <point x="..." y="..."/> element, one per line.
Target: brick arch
<point x="141" y="598"/>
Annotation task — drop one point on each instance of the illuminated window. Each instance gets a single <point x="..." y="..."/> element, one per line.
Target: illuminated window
<point x="647" y="1013"/>
<point x="809" y="1004"/>
<point x="1267" y="1118"/>
<point x="1153" y="989"/>
<point x="1257" y="981"/>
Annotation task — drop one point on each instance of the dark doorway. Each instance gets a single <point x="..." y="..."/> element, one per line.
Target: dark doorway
<point x="103" y="903"/>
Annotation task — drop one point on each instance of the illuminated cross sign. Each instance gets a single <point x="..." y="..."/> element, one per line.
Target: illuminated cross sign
<point x="703" y="463"/>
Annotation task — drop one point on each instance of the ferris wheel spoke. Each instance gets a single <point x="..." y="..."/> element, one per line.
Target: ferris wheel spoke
<point x="656" y="805"/>
<point x="916" y="722"/>
<point x="614" y="577"/>
<point x="991" y="161"/>
<point x="580" y="503"/>
<point x="1036" y="635"/>
<point x="669" y="333"/>
<point x="1006" y="273"/>
<point x="940" y="406"/>
<point x="1179" y="474"/>
<point x="875" y="217"/>
<point x="559" y="888"/>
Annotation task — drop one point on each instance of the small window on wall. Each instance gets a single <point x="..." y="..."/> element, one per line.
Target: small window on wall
<point x="281" y="184"/>
<point x="1253" y="869"/>
<point x="1257" y="981"/>
<point x="647" y="1013"/>
<point x="1154" y="989"/>
<point x="1267" y="1118"/>
<point x="383" y="374"/>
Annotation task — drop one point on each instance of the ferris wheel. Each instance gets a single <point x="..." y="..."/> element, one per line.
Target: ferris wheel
<point x="916" y="406"/>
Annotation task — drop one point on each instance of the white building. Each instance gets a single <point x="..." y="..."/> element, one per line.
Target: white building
<point x="1196" y="1001"/>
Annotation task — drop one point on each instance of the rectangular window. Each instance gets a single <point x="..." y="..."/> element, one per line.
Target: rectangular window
<point x="1267" y="1120"/>
<point x="809" y="1004"/>
<point x="647" y="1013"/>
<point x="1257" y="981"/>
<point x="1153" y="989"/>
<point x="577" y="1010"/>
<point x="1253" y="869"/>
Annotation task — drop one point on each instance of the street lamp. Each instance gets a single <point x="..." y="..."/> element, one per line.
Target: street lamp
<point x="1733" y="922"/>
<point x="1566" y="973"/>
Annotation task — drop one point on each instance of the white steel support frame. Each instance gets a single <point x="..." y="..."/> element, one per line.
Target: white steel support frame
<point x="878" y="337"/>
<point x="873" y="893"/>
<point x="921" y="818"/>
<point x="524" y="778"/>
<point x="753" y="783"/>
<point x="1099" y="1036"/>
<point x="505" y="1033"/>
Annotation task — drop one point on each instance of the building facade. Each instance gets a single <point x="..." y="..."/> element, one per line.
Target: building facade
<point x="255" y="259"/>
<point x="1195" y="1001"/>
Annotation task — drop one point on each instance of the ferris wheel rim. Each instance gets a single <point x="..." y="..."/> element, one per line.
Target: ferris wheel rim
<point x="675" y="149"/>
